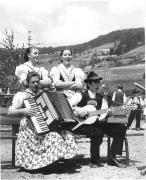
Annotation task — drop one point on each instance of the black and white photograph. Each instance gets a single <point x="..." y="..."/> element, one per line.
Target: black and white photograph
<point x="72" y="89"/>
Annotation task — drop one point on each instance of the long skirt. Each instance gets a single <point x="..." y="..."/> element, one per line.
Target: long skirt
<point x="33" y="151"/>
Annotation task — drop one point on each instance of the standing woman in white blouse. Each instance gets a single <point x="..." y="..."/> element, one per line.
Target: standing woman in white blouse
<point x="66" y="77"/>
<point x="31" y="59"/>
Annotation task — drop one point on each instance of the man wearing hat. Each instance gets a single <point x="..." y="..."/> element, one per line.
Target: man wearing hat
<point x="92" y="132"/>
<point x="93" y="97"/>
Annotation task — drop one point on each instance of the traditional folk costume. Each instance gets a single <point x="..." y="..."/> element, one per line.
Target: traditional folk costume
<point x="23" y="69"/>
<point x="35" y="151"/>
<point x="63" y="74"/>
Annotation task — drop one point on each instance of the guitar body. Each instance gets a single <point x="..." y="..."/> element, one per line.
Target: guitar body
<point x="94" y="114"/>
<point x="90" y="119"/>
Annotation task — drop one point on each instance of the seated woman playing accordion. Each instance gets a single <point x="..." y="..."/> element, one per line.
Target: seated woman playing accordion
<point x="35" y="151"/>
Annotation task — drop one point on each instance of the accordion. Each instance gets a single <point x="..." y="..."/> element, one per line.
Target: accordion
<point x="51" y="109"/>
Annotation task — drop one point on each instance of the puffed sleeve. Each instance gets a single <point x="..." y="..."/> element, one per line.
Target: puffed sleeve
<point x="17" y="101"/>
<point x="44" y="72"/>
<point x="80" y="76"/>
<point x="55" y="74"/>
<point x="21" y="73"/>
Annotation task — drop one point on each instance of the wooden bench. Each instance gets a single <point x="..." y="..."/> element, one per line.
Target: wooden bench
<point x="5" y="101"/>
<point x="123" y="119"/>
<point x="14" y="122"/>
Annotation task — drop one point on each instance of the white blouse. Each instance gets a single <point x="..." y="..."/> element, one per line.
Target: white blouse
<point x="23" y="69"/>
<point x="19" y="98"/>
<point x="67" y="73"/>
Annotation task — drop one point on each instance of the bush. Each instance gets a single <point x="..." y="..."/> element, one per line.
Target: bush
<point x="10" y="57"/>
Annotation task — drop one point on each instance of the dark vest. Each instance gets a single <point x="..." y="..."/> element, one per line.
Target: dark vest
<point x="119" y="98"/>
<point x="86" y="98"/>
<point x="62" y="79"/>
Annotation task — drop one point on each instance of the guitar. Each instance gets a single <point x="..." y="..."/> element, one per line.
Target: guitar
<point x="93" y="114"/>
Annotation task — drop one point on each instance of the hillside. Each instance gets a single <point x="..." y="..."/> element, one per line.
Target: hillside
<point x="127" y="44"/>
<point x="104" y="46"/>
<point x="130" y="38"/>
<point x="124" y="40"/>
<point x="135" y="56"/>
<point x="140" y="51"/>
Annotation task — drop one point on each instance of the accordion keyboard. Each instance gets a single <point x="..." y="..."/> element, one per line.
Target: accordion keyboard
<point x="38" y="120"/>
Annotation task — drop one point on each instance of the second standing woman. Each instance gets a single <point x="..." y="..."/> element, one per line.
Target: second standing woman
<point x="66" y="77"/>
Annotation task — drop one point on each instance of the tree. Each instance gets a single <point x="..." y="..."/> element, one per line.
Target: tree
<point x="10" y="57"/>
<point x="111" y="51"/>
<point x="94" y="59"/>
<point x="119" y="49"/>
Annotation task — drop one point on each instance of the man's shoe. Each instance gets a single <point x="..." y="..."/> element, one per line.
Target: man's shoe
<point x="92" y="165"/>
<point x="137" y="129"/>
<point x="99" y="164"/>
<point x="95" y="165"/>
<point x="143" y="173"/>
<point x="114" y="162"/>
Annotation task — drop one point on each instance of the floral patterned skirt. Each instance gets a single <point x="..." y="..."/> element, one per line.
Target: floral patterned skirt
<point x="33" y="151"/>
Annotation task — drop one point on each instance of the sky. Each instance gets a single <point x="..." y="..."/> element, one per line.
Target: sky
<point x="61" y="22"/>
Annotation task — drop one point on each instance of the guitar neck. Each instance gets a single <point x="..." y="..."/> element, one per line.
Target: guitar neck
<point x="102" y="111"/>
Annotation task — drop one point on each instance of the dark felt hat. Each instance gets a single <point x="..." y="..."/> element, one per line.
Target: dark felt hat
<point x="92" y="76"/>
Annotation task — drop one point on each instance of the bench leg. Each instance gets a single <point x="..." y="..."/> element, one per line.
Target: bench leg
<point x="13" y="153"/>
<point x="127" y="151"/>
<point x="108" y="145"/>
<point x="14" y="131"/>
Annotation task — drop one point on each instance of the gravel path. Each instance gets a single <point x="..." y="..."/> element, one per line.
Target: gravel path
<point x="78" y="168"/>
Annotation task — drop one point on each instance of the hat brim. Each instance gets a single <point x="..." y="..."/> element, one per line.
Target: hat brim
<point x="92" y="79"/>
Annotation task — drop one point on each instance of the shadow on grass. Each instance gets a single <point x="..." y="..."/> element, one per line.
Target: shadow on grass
<point x="135" y="161"/>
<point x="69" y="166"/>
<point x="7" y="165"/>
<point x="123" y="161"/>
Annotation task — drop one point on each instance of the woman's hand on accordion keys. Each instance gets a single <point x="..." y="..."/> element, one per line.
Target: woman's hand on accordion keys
<point x="28" y="111"/>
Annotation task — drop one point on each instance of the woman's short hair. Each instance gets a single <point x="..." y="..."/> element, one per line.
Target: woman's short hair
<point x="28" y="51"/>
<point x="30" y="75"/>
<point x="61" y="53"/>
